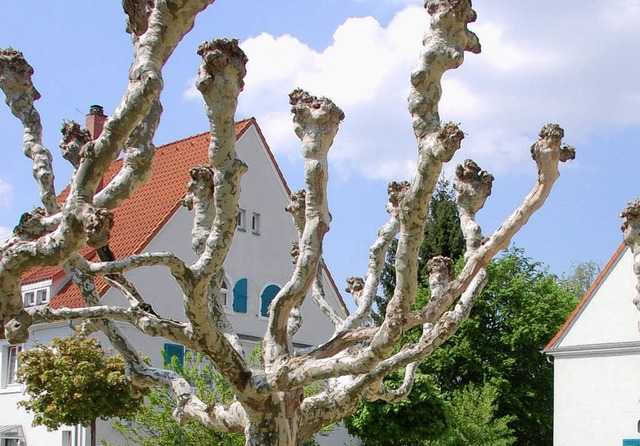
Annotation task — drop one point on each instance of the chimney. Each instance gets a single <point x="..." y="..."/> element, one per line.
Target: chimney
<point x="95" y="120"/>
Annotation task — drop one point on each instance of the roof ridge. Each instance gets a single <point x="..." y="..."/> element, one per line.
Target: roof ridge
<point x="239" y="124"/>
<point x="587" y="296"/>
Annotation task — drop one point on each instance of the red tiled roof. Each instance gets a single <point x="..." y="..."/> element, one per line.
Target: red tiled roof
<point x="140" y="217"/>
<point x="596" y="283"/>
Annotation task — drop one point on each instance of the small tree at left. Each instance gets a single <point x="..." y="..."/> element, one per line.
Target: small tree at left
<point x="74" y="381"/>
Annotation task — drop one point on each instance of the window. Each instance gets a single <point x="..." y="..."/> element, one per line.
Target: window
<point x="35" y="297"/>
<point x="66" y="438"/>
<point x="173" y="350"/>
<point x="42" y="296"/>
<point x="255" y="223"/>
<point x="29" y="299"/>
<point x="242" y="219"/>
<point x="266" y="297"/>
<point x="10" y="368"/>
<point x="224" y="293"/>
<point x="240" y="296"/>
<point x="11" y="435"/>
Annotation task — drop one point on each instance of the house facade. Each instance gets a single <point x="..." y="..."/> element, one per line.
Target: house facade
<point x="258" y="265"/>
<point x="596" y="359"/>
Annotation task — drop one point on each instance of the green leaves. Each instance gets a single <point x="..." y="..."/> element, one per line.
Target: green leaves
<point x="421" y="416"/>
<point x="154" y="425"/>
<point x="74" y="381"/>
<point x="519" y="311"/>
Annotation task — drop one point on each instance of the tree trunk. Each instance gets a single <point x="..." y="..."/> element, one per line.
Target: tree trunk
<point x="92" y="438"/>
<point x="276" y="424"/>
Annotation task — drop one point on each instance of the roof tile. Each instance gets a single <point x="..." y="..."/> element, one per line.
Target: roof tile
<point x="138" y="219"/>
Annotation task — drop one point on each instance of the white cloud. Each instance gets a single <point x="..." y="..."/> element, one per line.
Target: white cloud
<point x="4" y="233"/>
<point x="574" y="66"/>
<point x="5" y="194"/>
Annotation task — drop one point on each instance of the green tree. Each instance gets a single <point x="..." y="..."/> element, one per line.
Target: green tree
<point x="472" y="419"/>
<point x="74" y="381"/>
<point x="154" y="424"/>
<point x="520" y="309"/>
<point x="423" y="415"/>
<point x="582" y="277"/>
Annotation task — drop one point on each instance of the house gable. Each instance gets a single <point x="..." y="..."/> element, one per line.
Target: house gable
<point x="606" y="316"/>
<point x="260" y="257"/>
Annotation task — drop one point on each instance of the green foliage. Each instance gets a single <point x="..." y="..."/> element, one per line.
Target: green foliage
<point x="421" y="416"/>
<point x="153" y="425"/>
<point x="472" y="419"/>
<point x="74" y="381"/>
<point x="582" y="277"/>
<point x="519" y="311"/>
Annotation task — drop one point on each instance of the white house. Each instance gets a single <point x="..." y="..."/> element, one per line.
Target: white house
<point x="596" y="361"/>
<point x="258" y="264"/>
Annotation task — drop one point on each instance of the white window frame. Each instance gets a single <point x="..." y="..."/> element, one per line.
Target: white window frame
<point x="42" y="296"/>
<point x="224" y="295"/>
<point x="29" y="298"/>
<point x="10" y="365"/>
<point x="242" y="220"/>
<point x="37" y="293"/>
<point x="66" y="438"/>
<point x="255" y="223"/>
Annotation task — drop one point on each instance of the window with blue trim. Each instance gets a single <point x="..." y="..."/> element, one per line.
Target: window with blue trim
<point x="173" y="350"/>
<point x="265" y="299"/>
<point x="240" y="296"/>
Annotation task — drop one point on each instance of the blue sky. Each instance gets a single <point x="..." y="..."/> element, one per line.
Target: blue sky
<point x="571" y="62"/>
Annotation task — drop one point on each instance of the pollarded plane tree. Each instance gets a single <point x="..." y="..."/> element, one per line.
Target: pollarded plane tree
<point x="269" y="407"/>
<point x="631" y="235"/>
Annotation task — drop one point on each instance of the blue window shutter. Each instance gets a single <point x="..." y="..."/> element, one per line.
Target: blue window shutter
<point x="171" y="350"/>
<point x="267" y="296"/>
<point x="240" y="295"/>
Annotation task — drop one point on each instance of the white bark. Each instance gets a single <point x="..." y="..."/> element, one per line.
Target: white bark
<point x="270" y="407"/>
<point x="631" y="234"/>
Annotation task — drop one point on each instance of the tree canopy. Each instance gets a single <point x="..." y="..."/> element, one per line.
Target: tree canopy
<point x="74" y="381"/>
<point x="519" y="311"/>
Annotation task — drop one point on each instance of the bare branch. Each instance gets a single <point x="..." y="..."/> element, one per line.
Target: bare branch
<point x="631" y="233"/>
<point x="382" y="392"/>
<point x="220" y="80"/>
<point x="316" y="123"/>
<point x="15" y="81"/>
<point x="139" y="153"/>
<point x="377" y="253"/>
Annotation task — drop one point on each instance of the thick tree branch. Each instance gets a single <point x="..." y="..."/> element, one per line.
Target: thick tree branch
<point x="377" y="254"/>
<point x="316" y="123"/>
<point x="547" y="152"/>
<point x="220" y="80"/>
<point x="139" y="153"/>
<point x="631" y="233"/>
<point x="15" y="81"/>
<point x="443" y="49"/>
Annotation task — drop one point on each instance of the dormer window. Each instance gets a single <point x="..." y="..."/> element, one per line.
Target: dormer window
<point x="36" y="294"/>
<point x="42" y="296"/>
<point x="29" y="298"/>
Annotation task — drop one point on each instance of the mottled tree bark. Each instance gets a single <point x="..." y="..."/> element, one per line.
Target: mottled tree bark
<point x="631" y="233"/>
<point x="269" y="406"/>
